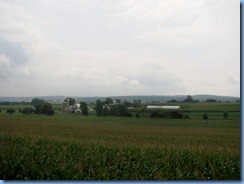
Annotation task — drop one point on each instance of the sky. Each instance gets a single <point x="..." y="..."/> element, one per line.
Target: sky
<point x="119" y="47"/>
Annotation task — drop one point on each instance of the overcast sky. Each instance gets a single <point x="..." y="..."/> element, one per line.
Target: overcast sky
<point x="119" y="47"/>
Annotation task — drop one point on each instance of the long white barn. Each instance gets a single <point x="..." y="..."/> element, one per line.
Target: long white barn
<point x="162" y="107"/>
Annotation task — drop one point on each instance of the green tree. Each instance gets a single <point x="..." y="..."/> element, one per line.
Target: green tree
<point x="136" y="103"/>
<point x="108" y="101"/>
<point x="118" y="100"/>
<point x="45" y="108"/>
<point x="205" y="116"/>
<point x="172" y="101"/>
<point x="51" y="112"/>
<point x="84" y="108"/>
<point x="85" y="112"/>
<point x="187" y="116"/>
<point x="188" y="99"/>
<point x="122" y="110"/>
<point x="211" y="100"/>
<point x="127" y="104"/>
<point x="143" y="109"/>
<point x="105" y="111"/>
<point x="27" y="110"/>
<point x="137" y="115"/>
<point x="99" y="108"/>
<point x="71" y="100"/>
<point x="36" y="101"/>
<point x="10" y="111"/>
<point x="83" y="105"/>
<point x="225" y="114"/>
<point x="38" y="109"/>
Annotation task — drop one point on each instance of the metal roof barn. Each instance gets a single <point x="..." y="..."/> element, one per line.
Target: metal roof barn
<point x="162" y="107"/>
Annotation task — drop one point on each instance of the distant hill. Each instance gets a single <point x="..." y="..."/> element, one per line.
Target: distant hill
<point x="146" y="98"/>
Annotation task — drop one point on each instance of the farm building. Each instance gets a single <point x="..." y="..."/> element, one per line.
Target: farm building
<point x="162" y="107"/>
<point x="74" y="108"/>
<point x="65" y="106"/>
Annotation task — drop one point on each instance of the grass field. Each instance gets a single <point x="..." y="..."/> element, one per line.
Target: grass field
<point x="76" y="147"/>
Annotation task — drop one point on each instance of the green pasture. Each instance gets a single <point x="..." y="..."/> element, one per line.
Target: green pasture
<point x="195" y="110"/>
<point x="77" y="147"/>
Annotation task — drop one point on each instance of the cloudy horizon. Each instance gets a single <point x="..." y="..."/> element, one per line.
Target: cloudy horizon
<point x="118" y="48"/>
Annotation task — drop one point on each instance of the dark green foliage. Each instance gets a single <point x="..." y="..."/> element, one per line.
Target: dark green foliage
<point x="71" y="100"/>
<point x="105" y="111"/>
<point x="188" y="99"/>
<point x="205" y="116"/>
<point x="36" y="101"/>
<point x="38" y="109"/>
<point x="136" y="103"/>
<point x="127" y="104"/>
<point x="225" y="114"/>
<point x="186" y="116"/>
<point x="45" y="108"/>
<point x="137" y="115"/>
<point x="166" y="114"/>
<point x="120" y="110"/>
<point x="84" y="108"/>
<point x="211" y="100"/>
<point x="99" y="108"/>
<point x="28" y="110"/>
<point x="118" y="100"/>
<point x="20" y="110"/>
<point x="85" y="112"/>
<point x="175" y="115"/>
<point x="83" y="105"/>
<point x="113" y="110"/>
<point x="143" y="109"/>
<point x="172" y="101"/>
<point x="108" y="101"/>
<point x="10" y="111"/>
<point x="42" y="107"/>
<point x="51" y="112"/>
<point x="154" y="114"/>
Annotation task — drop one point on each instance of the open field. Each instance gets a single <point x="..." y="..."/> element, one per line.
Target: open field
<point x="114" y="148"/>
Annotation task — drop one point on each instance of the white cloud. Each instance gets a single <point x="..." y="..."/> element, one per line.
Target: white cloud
<point x="121" y="47"/>
<point x="6" y="67"/>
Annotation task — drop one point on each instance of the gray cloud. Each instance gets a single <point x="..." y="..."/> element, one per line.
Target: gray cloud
<point x="119" y="47"/>
<point x="14" y="51"/>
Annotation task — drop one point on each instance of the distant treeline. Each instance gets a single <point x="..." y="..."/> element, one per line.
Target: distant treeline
<point x="143" y="98"/>
<point x="14" y="103"/>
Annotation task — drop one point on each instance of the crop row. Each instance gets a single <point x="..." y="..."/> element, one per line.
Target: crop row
<point x="41" y="159"/>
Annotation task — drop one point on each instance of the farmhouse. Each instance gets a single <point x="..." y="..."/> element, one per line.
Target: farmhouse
<point x="74" y="108"/>
<point x="66" y="108"/>
<point x="162" y="107"/>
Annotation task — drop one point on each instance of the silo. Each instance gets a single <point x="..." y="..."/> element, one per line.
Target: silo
<point x="67" y="106"/>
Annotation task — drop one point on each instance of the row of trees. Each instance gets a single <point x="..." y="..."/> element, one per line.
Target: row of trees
<point x="188" y="99"/>
<point x="177" y="115"/>
<point x="104" y="109"/>
<point x="168" y="114"/>
<point x="40" y="107"/>
<point x="14" y="103"/>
